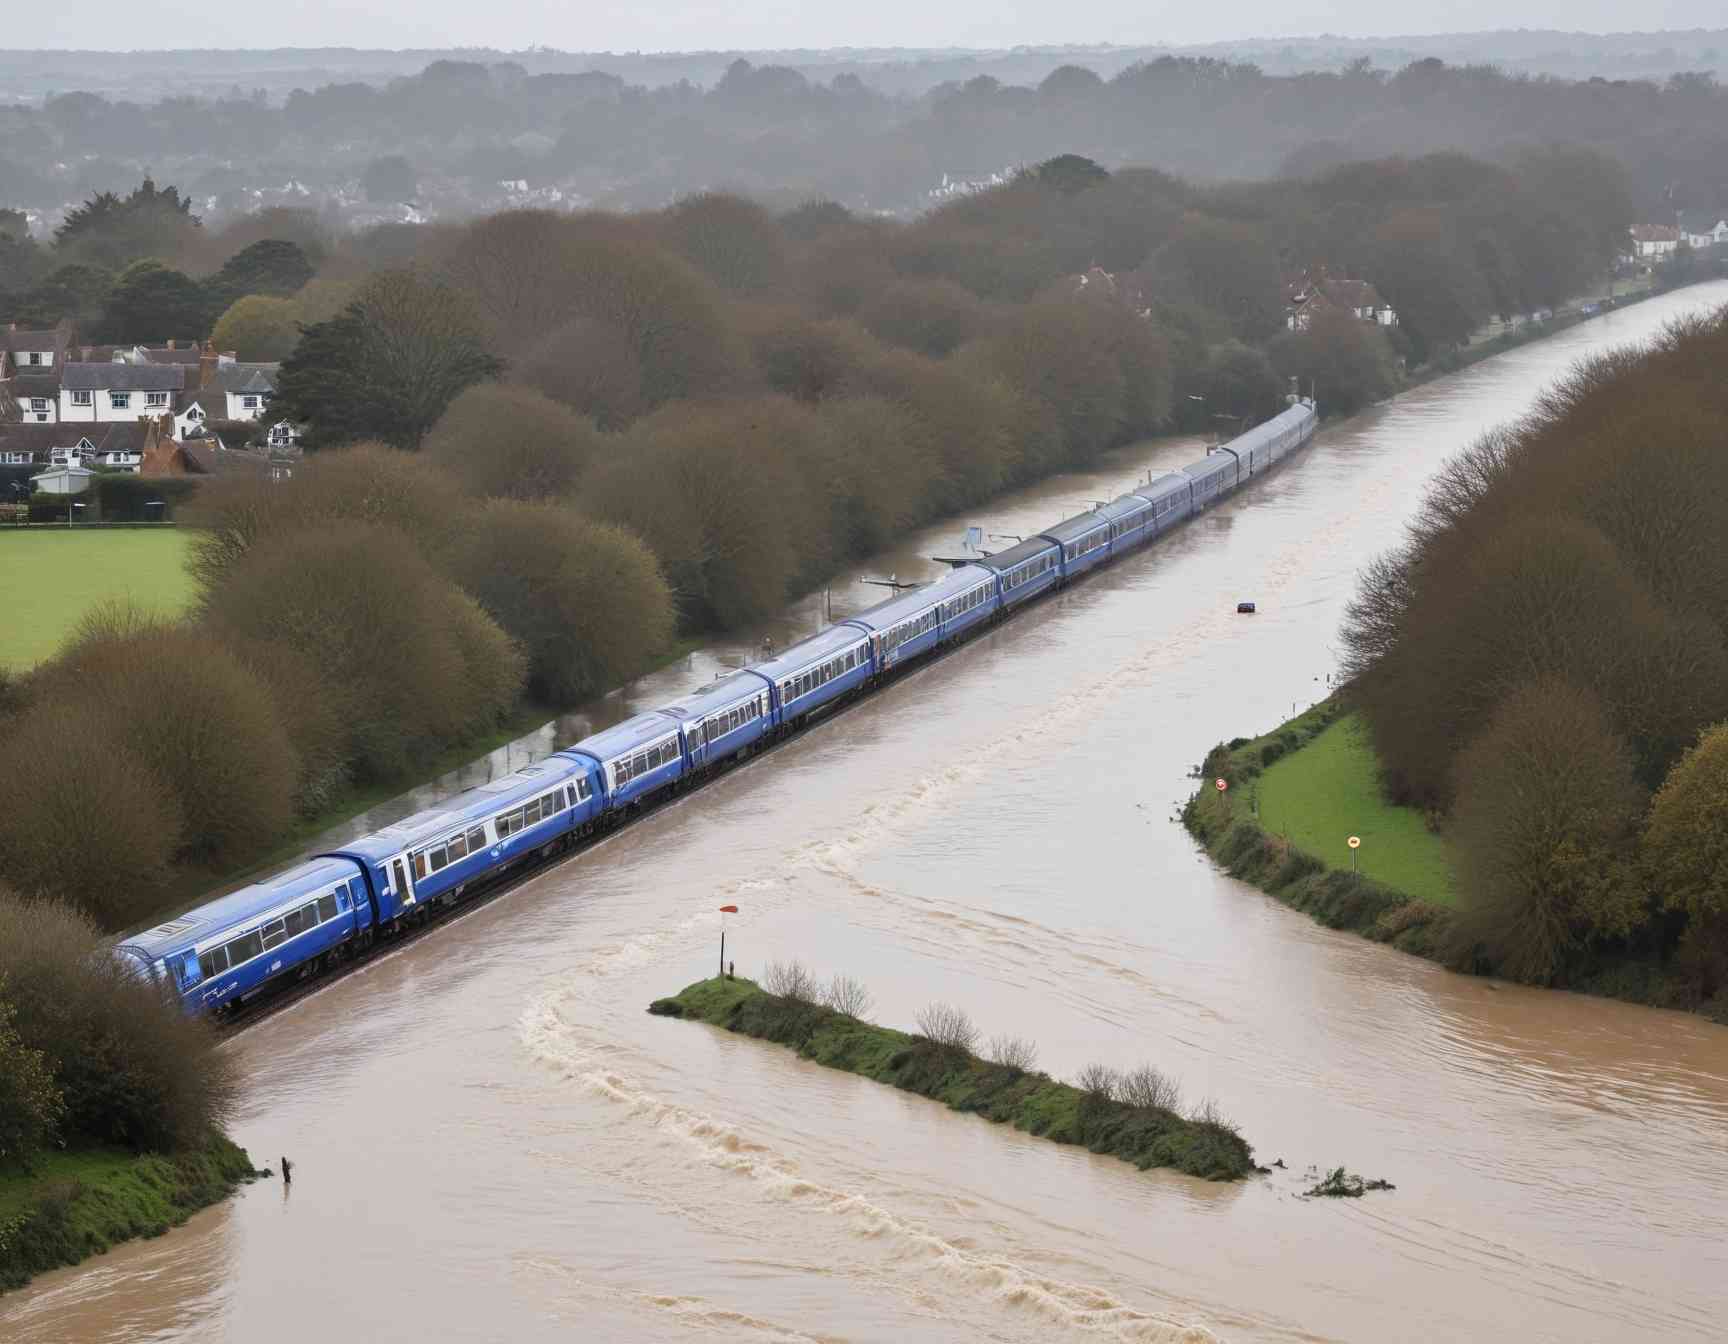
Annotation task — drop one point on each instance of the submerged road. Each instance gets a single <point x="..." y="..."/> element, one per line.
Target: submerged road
<point x="492" y="1140"/>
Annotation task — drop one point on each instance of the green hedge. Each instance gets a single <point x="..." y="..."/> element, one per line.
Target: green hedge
<point x="124" y="498"/>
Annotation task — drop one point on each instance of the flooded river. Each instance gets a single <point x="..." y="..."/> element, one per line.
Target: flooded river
<point x="492" y="1140"/>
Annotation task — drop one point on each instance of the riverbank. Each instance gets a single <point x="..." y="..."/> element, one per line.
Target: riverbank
<point x="1297" y="793"/>
<point x="79" y="1203"/>
<point x="1147" y="1136"/>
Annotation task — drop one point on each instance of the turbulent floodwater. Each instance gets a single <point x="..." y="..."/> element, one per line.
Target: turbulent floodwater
<point x="493" y="1141"/>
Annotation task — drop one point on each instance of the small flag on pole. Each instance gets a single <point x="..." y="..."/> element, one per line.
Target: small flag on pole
<point x="728" y="909"/>
<point x="724" y="911"/>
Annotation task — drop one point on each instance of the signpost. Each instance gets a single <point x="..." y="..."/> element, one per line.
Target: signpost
<point x="1355" y="843"/>
<point x="1223" y="784"/>
<point x="724" y="911"/>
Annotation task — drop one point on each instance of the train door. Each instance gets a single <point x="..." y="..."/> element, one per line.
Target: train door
<point x="400" y="879"/>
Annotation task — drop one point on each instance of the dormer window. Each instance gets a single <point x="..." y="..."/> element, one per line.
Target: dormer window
<point x="155" y="398"/>
<point x="35" y="357"/>
<point x="120" y="401"/>
<point x="81" y="398"/>
<point x="38" y="403"/>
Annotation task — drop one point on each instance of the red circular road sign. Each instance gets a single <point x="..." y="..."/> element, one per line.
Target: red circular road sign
<point x="1355" y="842"/>
<point x="1223" y="784"/>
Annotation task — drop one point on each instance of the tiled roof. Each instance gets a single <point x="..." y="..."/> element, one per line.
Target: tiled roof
<point x="1655" y="233"/>
<point x="247" y="379"/>
<point x="209" y="459"/>
<point x="180" y="354"/>
<point x="52" y="339"/>
<point x="123" y="377"/>
<point x="45" y="384"/>
<point x="125" y="437"/>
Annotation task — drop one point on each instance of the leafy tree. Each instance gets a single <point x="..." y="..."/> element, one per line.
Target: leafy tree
<point x="387" y="366"/>
<point x="933" y="317"/>
<point x="1544" y="830"/>
<point x="1685" y="852"/>
<point x="511" y="442"/>
<point x="270" y="266"/>
<point x="1069" y="173"/>
<point x="30" y="1103"/>
<point x="1344" y="359"/>
<point x="111" y="231"/>
<point x="585" y="600"/>
<point x="132" y="1068"/>
<point x="75" y="292"/>
<point x="149" y="303"/>
<point x="389" y="180"/>
<point x="1226" y="267"/>
<point x="588" y="365"/>
<point x="735" y="242"/>
<point x="258" y="328"/>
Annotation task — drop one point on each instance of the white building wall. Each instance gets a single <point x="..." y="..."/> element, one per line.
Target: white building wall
<point x="103" y="409"/>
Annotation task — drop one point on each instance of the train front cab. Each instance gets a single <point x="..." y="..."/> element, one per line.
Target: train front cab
<point x="1023" y="571"/>
<point x="225" y="951"/>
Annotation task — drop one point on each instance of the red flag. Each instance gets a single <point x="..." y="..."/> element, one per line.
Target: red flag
<point x="728" y="909"/>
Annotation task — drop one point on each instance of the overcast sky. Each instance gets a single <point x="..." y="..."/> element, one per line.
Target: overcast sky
<point x="692" y="25"/>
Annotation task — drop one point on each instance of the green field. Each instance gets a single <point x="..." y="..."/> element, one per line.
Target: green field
<point x="1328" y="790"/>
<point x="51" y="577"/>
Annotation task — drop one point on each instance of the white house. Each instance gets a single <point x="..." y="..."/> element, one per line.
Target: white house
<point x="115" y="446"/>
<point x="1704" y="228"/>
<point x="118" y="393"/>
<point x="1316" y="290"/>
<point x="1654" y="240"/>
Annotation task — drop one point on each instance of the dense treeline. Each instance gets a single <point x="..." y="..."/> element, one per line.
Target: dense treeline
<point x="542" y="442"/>
<point x="456" y="131"/>
<point x="1541" y="658"/>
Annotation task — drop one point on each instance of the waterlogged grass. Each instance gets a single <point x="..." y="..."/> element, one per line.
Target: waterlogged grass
<point x="1319" y="796"/>
<point x="1033" y="1102"/>
<point x="1244" y="829"/>
<point x="51" y="577"/>
<point x="77" y="1204"/>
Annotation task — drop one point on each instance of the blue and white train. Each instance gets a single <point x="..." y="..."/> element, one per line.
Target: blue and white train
<point x="337" y="905"/>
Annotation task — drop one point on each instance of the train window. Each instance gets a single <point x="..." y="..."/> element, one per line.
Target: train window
<point x="531" y="812"/>
<point x="476" y="839"/>
<point x="213" y="962"/>
<point x="294" y="922"/>
<point x="326" y="908"/>
<point x="458" y="847"/>
<point x="439" y="859"/>
<point x="419" y="865"/>
<point x="273" y="933"/>
<point x="244" y="948"/>
<point x="309" y="916"/>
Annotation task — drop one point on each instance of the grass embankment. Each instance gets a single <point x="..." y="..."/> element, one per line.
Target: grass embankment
<point x="1034" y="1102"/>
<point x="50" y="577"/>
<point x="78" y="1204"/>
<point x="1314" y="784"/>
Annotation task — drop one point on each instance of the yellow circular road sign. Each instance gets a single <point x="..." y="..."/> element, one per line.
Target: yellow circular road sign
<point x="1355" y="842"/>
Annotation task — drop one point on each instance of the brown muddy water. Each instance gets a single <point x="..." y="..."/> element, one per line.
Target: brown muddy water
<point x="492" y="1140"/>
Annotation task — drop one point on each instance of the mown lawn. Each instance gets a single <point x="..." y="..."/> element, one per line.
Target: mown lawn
<point x="1327" y="791"/>
<point x="49" y="578"/>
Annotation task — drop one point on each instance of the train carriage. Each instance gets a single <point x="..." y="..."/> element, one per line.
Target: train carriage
<point x="1025" y="570"/>
<point x="1211" y="479"/>
<point x="432" y="856"/>
<point x="817" y="671"/>
<point x="230" y="948"/>
<point x="721" y="720"/>
<point x="1171" y="497"/>
<point x="913" y="623"/>
<point x="1083" y="542"/>
<point x="1131" y="522"/>
<point x="633" y="760"/>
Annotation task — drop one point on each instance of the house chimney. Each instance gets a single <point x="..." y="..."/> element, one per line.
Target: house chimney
<point x="207" y="362"/>
<point x="170" y="342"/>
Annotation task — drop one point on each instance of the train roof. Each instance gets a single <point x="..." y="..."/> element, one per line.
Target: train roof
<point x="621" y="739"/>
<point x="216" y="917"/>
<point x="1123" y="505"/>
<point x="1018" y="555"/>
<point x="902" y="605"/>
<point x="1170" y="483"/>
<point x="721" y="694"/>
<point x="1214" y="464"/>
<point x="818" y="648"/>
<point x="1072" y="529"/>
<point x="1268" y="430"/>
<point x="465" y="808"/>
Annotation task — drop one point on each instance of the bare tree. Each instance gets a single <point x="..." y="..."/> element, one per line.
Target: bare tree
<point x="947" y="1027"/>
<point x="1099" y="1082"/>
<point x="791" y="980"/>
<point x="1013" y="1052"/>
<point x="848" y="996"/>
<point x="1149" y="1089"/>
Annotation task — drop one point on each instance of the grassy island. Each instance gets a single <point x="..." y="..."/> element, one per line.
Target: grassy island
<point x="1295" y="796"/>
<point x="77" y="1203"/>
<point x="1092" y="1115"/>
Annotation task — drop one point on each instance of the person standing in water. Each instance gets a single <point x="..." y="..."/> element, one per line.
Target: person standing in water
<point x="287" y="1172"/>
